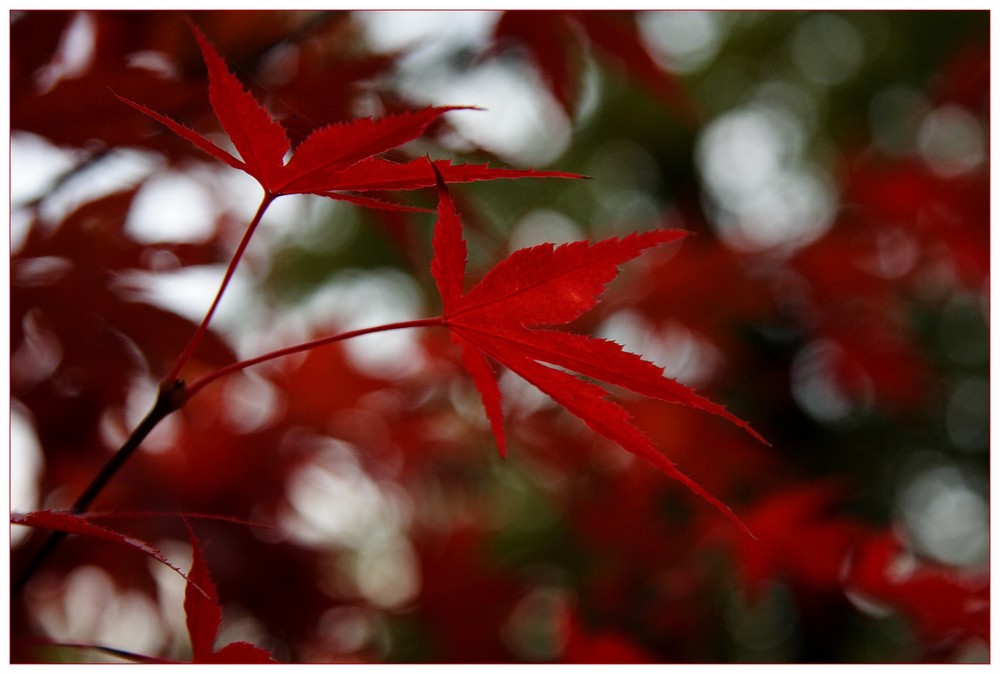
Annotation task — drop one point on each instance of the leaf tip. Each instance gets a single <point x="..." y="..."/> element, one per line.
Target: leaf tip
<point x="756" y="436"/>
<point x="438" y="178"/>
<point x="195" y="28"/>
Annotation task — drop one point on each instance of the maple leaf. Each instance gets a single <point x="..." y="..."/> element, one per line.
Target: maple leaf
<point x="201" y="599"/>
<point x="201" y="606"/>
<point x="498" y="319"/>
<point x="332" y="159"/>
<point x="71" y="523"/>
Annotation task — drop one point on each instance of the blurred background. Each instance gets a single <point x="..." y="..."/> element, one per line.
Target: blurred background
<point x="834" y="169"/>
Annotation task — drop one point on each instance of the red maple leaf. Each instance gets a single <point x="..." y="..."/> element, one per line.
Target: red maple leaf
<point x="72" y="523"/>
<point x="332" y="159"/>
<point x="201" y="599"/>
<point x="201" y="606"/>
<point x="500" y="319"/>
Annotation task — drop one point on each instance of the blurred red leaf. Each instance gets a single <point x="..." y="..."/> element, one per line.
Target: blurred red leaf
<point x="885" y="357"/>
<point x="696" y="289"/>
<point x="150" y="55"/>
<point x="549" y="37"/>
<point x="545" y="285"/>
<point x="81" y="336"/>
<point x="800" y="539"/>
<point x="454" y="569"/>
<point x="965" y="76"/>
<point x="617" y="35"/>
<point x="863" y="312"/>
<point x="948" y="216"/>
<point x="558" y="40"/>
<point x="945" y="604"/>
<point x="588" y="646"/>
<point x="71" y="279"/>
<point x="42" y="91"/>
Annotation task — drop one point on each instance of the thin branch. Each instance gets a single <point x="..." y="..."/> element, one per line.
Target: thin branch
<point x="90" y="157"/>
<point x="175" y="372"/>
<point x="117" y="652"/>
<point x="201" y="382"/>
<point x="172" y="395"/>
<point x="169" y="399"/>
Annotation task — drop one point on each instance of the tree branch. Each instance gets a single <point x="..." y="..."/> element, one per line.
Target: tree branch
<point x="169" y="399"/>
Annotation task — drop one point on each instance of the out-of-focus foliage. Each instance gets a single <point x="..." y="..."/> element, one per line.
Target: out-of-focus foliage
<point x="834" y="169"/>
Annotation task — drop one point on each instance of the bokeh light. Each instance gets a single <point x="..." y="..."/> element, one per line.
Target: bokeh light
<point x="832" y="171"/>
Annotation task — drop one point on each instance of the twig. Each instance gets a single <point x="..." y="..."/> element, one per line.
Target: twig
<point x="169" y="399"/>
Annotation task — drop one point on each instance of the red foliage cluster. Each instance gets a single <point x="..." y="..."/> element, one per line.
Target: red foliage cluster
<point x="558" y="41"/>
<point x="353" y="516"/>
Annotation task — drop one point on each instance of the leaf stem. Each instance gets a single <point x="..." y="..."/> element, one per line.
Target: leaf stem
<point x="174" y="373"/>
<point x="201" y="382"/>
